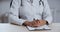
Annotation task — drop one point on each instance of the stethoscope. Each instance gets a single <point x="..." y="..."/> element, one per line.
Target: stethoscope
<point x="41" y="2"/>
<point x="31" y="2"/>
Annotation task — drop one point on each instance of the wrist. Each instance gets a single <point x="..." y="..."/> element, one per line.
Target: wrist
<point x="25" y="23"/>
<point x="47" y="23"/>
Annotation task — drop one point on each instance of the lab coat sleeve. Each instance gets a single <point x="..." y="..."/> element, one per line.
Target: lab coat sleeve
<point x="13" y="14"/>
<point x="47" y="13"/>
<point x="14" y="19"/>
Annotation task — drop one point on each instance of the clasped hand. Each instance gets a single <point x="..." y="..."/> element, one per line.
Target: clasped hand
<point x="35" y="23"/>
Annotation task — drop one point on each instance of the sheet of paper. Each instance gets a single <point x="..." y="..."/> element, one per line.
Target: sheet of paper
<point x="39" y="28"/>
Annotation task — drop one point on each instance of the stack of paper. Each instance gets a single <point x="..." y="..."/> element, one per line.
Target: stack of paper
<point x="45" y="27"/>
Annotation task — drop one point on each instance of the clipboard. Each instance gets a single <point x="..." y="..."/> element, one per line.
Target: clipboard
<point x="45" y="27"/>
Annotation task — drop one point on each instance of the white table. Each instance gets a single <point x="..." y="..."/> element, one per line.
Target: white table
<point x="6" y="27"/>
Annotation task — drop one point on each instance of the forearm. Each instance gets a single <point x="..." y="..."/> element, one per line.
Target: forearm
<point x="16" y="20"/>
<point x="47" y="12"/>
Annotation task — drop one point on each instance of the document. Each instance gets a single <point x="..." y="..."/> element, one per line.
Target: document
<point x="45" y="27"/>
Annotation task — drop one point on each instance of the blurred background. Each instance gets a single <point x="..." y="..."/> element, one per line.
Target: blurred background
<point x="5" y="5"/>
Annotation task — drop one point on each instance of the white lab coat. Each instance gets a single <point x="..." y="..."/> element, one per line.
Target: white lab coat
<point x="29" y="11"/>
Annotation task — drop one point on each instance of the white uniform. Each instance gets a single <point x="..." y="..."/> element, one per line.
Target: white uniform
<point x="29" y="10"/>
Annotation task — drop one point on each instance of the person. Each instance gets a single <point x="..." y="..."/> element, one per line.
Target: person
<point x="32" y="13"/>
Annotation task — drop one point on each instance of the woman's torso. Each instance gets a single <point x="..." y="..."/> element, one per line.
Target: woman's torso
<point x="31" y="10"/>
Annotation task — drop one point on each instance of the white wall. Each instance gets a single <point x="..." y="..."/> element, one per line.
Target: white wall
<point x="4" y="6"/>
<point x="55" y="6"/>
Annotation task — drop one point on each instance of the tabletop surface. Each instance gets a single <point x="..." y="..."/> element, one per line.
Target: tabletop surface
<point x="6" y="27"/>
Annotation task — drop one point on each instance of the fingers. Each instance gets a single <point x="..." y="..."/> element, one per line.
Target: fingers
<point x="37" y="23"/>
